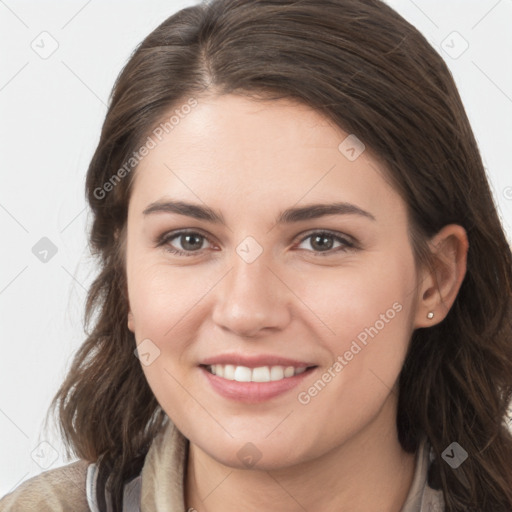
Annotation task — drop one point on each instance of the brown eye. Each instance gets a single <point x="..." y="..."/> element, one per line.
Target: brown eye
<point x="184" y="243"/>
<point x="191" y="242"/>
<point x="324" y="242"/>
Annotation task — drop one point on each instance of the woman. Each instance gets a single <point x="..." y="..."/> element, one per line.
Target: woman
<point x="304" y="296"/>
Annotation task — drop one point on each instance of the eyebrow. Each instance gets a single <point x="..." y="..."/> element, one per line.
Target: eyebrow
<point x="287" y="216"/>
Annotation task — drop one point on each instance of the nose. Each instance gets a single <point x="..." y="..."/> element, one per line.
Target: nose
<point x="251" y="299"/>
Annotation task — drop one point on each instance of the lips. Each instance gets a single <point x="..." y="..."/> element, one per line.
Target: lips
<point x="254" y="379"/>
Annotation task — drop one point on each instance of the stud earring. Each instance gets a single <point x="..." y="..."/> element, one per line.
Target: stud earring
<point x="430" y="315"/>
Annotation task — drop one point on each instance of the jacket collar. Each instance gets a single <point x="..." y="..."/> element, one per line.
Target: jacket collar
<point x="163" y="473"/>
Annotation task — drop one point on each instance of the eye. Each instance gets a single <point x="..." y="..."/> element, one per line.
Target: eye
<point x="190" y="241"/>
<point x="323" y="243"/>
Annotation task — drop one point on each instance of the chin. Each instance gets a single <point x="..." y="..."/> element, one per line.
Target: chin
<point x="241" y="453"/>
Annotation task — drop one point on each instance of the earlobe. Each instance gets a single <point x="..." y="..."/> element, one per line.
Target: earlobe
<point x="441" y="283"/>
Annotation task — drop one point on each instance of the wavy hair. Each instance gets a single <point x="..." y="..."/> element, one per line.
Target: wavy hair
<point x="373" y="74"/>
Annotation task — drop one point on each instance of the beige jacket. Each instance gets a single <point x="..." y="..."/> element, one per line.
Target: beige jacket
<point x="159" y="487"/>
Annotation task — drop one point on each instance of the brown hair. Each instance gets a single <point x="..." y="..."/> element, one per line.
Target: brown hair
<point x="367" y="69"/>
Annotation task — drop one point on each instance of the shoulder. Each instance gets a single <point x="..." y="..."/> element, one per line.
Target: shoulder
<point x="55" y="490"/>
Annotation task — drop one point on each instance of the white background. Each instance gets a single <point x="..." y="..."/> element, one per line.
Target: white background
<point x="51" y="111"/>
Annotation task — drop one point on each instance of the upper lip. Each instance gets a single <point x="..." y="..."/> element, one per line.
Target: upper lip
<point x="255" y="361"/>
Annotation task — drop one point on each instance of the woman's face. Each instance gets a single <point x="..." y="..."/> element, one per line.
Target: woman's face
<point x="268" y="281"/>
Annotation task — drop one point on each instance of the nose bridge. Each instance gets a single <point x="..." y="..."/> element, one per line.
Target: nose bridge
<point x="250" y="297"/>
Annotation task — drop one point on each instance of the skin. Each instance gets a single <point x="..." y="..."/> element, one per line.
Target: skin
<point x="250" y="160"/>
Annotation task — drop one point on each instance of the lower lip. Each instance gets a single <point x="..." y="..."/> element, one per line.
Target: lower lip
<point x="253" y="392"/>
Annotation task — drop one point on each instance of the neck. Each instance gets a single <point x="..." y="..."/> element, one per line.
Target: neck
<point x="368" y="472"/>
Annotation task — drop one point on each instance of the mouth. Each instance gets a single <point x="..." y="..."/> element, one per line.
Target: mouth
<point x="251" y="385"/>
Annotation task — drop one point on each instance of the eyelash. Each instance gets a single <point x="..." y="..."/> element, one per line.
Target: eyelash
<point x="166" y="238"/>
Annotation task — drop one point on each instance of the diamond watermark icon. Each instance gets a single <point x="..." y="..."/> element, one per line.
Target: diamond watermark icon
<point x="147" y="352"/>
<point x="44" y="250"/>
<point x="454" y="455"/>
<point x="249" y="455"/>
<point x="249" y="249"/>
<point x="351" y="147"/>
<point x="44" y="455"/>
<point x="45" y="45"/>
<point x="454" y="45"/>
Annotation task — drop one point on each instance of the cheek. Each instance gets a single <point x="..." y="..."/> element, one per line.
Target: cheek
<point x="162" y="303"/>
<point x="371" y="320"/>
<point x="356" y="300"/>
<point x="367" y="314"/>
<point x="369" y="311"/>
<point x="160" y="298"/>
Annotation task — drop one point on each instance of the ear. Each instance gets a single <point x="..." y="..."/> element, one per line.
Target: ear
<point x="131" y="322"/>
<point x="439" y="286"/>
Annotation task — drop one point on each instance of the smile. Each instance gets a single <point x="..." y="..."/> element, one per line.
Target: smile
<point x="259" y="374"/>
<point x="253" y="385"/>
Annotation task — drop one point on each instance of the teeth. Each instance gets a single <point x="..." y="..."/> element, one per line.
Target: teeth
<point x="242" y="374"/>
<point x="260" y="374"/>
<point x="290" y="370"/>
<point x="276" y="373"/>
<point x="229" y="371"/>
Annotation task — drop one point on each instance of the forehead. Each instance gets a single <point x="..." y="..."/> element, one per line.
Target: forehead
<point x="257" y="155"/>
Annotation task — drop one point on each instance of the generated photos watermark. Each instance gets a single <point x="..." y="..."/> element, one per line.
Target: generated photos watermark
<point x="305" y="397"/>
<point x="151" y="143"/>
